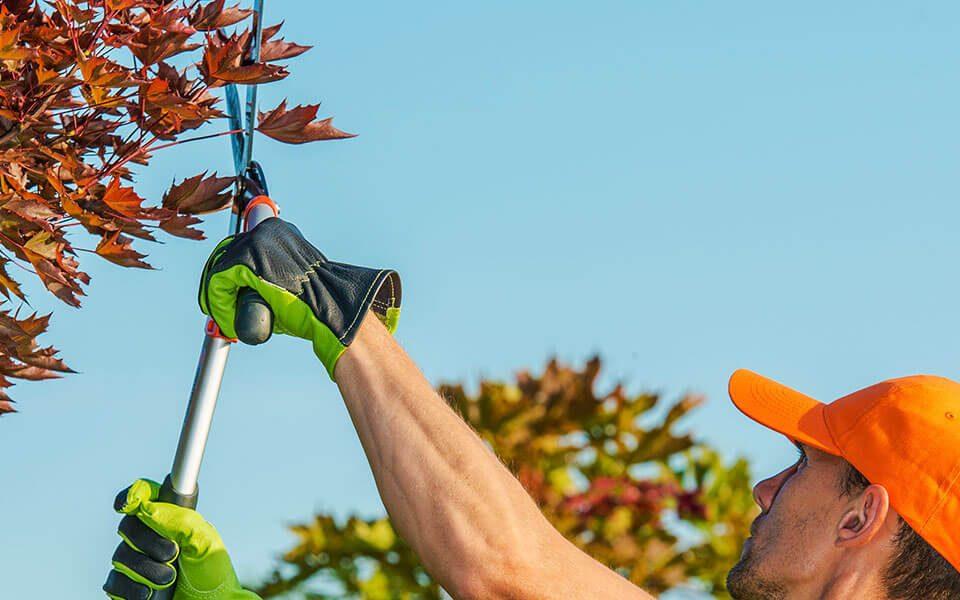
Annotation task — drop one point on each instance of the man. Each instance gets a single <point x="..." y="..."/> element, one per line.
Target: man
<point x="868" y="510"/>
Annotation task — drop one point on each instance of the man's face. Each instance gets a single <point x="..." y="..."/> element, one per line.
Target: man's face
<point x="792" y="541"/>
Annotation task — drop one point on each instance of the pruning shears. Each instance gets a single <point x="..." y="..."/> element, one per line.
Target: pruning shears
<point x="254" y="321"/>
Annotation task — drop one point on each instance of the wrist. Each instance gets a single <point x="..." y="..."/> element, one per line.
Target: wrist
<point x="361" y="351"/>
<point x="328" y="349"/>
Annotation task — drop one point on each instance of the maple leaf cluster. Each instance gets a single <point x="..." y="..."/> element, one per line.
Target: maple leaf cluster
<point x="88" y="89"/>
<point x="608" y="470"/>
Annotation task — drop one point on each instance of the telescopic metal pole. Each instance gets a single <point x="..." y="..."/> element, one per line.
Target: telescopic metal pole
<point x="213" y="354"/>
<point x="180" y="486"/>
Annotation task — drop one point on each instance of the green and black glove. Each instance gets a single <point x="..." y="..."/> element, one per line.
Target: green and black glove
<point x="157" y="536"/>
<point x="311" y="297"/>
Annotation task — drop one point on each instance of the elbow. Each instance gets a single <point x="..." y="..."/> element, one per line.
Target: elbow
<point x="488" y="582"/>
<point x="503" y="556"/>
<point x="502" y="574"/>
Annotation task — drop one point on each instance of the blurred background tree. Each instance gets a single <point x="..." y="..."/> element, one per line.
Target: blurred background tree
<point x="609" y="471"/>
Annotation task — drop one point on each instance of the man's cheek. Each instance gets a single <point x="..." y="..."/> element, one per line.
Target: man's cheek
<point x="773" y="532"/>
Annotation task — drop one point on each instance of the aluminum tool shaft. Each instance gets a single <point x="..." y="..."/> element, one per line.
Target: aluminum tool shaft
<point x="214" y="352"/>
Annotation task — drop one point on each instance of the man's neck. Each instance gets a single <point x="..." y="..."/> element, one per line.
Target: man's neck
<point x="853" y="583"/>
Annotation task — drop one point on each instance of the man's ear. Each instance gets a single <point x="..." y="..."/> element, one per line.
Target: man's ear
<point x="864" y="517"/>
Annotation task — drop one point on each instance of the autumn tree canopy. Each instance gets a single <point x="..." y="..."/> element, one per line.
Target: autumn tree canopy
<point x="607" y="469"/>
<point x="89" y="90"/>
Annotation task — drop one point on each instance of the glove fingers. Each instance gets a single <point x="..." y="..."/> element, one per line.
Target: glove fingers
<point x="221" y="294"/>
<point x="221" y="297"/>
<point x="191" y="532"/>
<point x="213" y="258"/>
<point x="142" y="568"/>
<point x="142" y="538"/>
<point x="121" y="587"/>
<point x="140" y="491"/>
<point x="185" y="527"/>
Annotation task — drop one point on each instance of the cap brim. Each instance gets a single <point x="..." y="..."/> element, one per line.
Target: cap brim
<point x="777" y="407"/>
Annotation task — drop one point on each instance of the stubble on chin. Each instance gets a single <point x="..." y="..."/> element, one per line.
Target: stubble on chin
<point x="744" y="582"/>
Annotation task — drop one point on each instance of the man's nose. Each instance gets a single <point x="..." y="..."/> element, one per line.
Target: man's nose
<point x="766" y="491"/>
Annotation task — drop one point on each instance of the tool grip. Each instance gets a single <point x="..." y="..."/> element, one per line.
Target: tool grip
<point x="172" y="496"/>
<point x="254" y="319"/>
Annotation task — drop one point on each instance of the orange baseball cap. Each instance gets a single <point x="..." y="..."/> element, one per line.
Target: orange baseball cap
<point x="903" y="434"/>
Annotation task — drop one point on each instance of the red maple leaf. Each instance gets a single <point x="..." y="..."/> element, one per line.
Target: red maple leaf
<point x="199" y="194"/>
<point x="278" y="49"/>
<point x="116" y="248"/>
<point x="123" y="199"/>
<point x="223" y="62"/>
<point x="298" y="125"/>
<point x="179" y="225"/>
<point x="213" y="15"/>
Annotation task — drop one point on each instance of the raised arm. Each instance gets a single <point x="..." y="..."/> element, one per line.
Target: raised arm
<point x="474" y="527"/>
<point x="469" y="520"/>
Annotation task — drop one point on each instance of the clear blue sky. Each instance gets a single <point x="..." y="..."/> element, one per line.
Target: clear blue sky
<point x="686" y="188"/>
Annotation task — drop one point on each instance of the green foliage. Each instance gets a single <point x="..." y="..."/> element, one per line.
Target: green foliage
<point x="609" y="471"/>
<point x="359" y="559"/>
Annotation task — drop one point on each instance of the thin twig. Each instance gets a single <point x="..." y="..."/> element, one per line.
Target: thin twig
<point x="198" y="138"/>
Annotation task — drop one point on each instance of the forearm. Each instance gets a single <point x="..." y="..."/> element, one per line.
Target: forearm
<point x="469" y="520"/>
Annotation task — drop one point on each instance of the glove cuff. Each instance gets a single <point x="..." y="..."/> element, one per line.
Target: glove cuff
<point x="349" y="293"/>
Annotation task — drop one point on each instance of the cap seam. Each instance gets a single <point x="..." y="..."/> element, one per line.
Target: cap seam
<point x="826" y="424"/>
<point x="943" y="498"/>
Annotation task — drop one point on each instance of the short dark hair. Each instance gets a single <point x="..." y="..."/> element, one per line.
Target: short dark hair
<point x="916" y="570"/>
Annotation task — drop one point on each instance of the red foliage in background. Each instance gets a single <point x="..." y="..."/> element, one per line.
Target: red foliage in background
<point x="87" y="90"/>
<point x="607" y="493"/>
